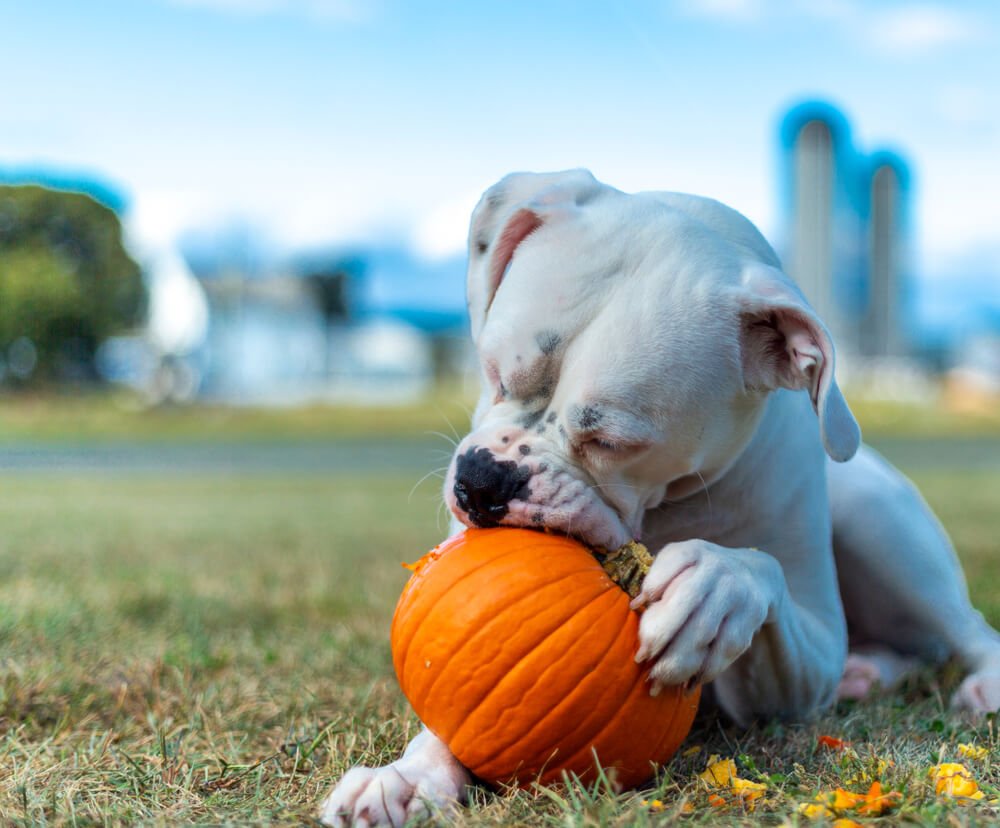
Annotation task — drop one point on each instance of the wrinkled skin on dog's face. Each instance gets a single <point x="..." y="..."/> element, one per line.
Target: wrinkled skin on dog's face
<point x="610" y="349"/>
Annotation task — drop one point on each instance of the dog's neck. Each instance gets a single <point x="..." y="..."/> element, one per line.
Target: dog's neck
<point x="760" y="498"/>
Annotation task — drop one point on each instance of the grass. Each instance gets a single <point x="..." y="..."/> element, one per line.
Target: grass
<point x="214" y="649"/>
<point x="119" y="416"/>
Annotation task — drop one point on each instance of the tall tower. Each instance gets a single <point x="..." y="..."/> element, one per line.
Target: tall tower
<point x="845" y="223"/>
<point x="881" y="325"/>
<point x="811" y="262"/>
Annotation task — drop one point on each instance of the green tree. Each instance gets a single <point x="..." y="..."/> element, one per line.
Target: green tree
<point x="66" y="280"/>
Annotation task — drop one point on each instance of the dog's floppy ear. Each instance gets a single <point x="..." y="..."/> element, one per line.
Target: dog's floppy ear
<point x="505" y="216"/>
<point x="785" y="345"/>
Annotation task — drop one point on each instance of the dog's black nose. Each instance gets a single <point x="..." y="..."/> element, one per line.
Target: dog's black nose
<point x="484" y="485"/>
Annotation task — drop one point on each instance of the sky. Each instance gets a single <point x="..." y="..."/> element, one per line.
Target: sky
<point x="321" y="122"/>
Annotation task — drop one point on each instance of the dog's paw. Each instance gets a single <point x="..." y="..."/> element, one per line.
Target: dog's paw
<point x="978" y="694"/>
<point x="427" y="780"/>
<point x="861" y="676"/>
<point x="704" y="604"/>
<point x="874" y="668"/>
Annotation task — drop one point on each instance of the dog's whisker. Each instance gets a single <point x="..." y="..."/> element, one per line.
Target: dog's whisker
<point x="451" y="425"/>
<point x="432" y="473"/>
<point x="708" y="495"/>
<point x="452" y="441"/>
<point x="442" y="511"/>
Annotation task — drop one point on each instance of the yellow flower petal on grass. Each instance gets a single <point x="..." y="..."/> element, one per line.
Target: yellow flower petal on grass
<point x="844" y="822"/>
<point x="813" y="810"/>
<point x="839" y="801"/>
<point x="973" y="751"/>
<point x="953" y="779"/>
<point x="718" y="772"/>
<point x="721" y="774"/>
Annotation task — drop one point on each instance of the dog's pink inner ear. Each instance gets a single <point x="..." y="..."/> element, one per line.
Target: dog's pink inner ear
<point x="519" y="226"/>
<point x="781" y="349"/>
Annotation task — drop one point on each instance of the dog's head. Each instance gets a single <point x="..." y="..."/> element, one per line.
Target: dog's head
<point x="627" y="346"/>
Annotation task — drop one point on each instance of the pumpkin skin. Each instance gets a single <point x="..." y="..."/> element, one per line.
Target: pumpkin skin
<point x="517" y="650"/>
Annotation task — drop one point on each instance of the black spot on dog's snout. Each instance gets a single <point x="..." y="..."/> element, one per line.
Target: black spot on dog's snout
<point x="525" y="449"/>
<point x="482" y="246"/>
<point x="589" y="417"/>
<point x="531" y="418"/>
<point x="547" y="341"/>
<point x="551" y="418"/>
<point x="484" y="486"/>
<point x="538" y="518"/>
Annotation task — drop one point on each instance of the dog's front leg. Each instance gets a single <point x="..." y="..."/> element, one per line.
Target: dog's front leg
<point x="726" y="615"/>
<point x="427" y="778"/>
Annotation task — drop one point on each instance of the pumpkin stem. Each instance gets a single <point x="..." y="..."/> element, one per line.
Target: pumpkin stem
<point x="627" y="566"/>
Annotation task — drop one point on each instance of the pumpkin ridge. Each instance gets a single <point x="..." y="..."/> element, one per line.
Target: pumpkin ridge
<point x="609" y="725"/>
<point x="532" y="592"/>
<point x="567" y="699"/>
<point x="668" y="732"/>
<point x="403" y="645"/>
<point x="538" y="678"/>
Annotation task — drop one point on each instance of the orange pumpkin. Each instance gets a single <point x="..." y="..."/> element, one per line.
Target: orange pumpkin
<point x="518" y="651"/>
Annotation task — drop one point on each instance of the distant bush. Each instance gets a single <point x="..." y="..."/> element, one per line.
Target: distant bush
<point x="66" y="282"/>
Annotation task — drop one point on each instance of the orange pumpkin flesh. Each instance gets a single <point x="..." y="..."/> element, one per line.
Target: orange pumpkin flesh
<point x="518" y="651"/>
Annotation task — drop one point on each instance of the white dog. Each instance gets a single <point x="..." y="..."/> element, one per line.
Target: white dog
<point x="649" y="372"/>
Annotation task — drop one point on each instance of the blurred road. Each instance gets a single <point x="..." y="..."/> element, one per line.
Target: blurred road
<point x="373" y="456"/>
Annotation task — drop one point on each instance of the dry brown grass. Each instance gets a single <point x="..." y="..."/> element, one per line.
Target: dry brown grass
<point x="214" y="649"/>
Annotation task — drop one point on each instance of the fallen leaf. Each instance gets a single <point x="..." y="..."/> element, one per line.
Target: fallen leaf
<point x="831" y="743"/>
<point x="876" y="802"/>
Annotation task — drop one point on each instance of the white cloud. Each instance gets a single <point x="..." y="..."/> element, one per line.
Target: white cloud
<point x="347" y="11"/>
<point x="914" y="29"/>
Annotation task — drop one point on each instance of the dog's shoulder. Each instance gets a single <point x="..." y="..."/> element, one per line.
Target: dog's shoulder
<point x="724" y="221"/>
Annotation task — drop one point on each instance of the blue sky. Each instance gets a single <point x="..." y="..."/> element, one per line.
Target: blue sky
<point x="322" y="121"/>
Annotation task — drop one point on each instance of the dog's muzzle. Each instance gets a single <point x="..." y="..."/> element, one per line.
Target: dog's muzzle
<point x="484" y="486"/>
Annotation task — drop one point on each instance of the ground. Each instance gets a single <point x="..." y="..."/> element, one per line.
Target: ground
<point x="212" y="647"/>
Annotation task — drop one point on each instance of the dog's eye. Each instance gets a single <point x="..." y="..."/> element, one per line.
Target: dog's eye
<point x="607" y="447"/>
<point x="603" y="445"/>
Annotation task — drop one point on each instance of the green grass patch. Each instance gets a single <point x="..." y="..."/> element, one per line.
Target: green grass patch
<point x="447" y="409"/>
<point x="118" y="416"/>
<point x="929" y="419"/>
<point x="215" y="649"/>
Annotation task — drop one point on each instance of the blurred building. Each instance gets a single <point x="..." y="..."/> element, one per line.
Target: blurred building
<point x="846" y="232"/>
<point x="301" y="331"/>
